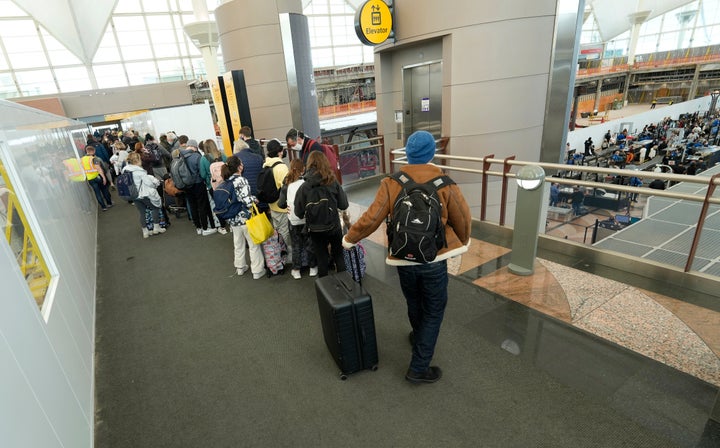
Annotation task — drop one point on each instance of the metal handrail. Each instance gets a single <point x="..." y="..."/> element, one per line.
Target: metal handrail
<point x="706" y="199"/>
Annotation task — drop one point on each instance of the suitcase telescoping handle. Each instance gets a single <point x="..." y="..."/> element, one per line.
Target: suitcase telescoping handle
<point x="354" y="251"/>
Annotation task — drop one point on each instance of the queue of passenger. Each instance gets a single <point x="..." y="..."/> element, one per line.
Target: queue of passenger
<point x="159" y="180"/>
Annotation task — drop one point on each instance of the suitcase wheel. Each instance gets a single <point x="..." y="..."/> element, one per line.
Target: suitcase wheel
<point x="374" y="368"/>
<point x="343" y="376"/>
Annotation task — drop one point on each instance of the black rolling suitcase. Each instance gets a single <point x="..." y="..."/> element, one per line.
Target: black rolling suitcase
<point x="348" y="323"/>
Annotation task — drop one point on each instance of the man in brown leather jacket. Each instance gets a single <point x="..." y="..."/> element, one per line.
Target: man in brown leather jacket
<point x="424" y="285"/>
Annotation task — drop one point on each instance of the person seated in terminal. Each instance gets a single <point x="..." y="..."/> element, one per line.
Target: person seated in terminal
<point x="657" y="184"/>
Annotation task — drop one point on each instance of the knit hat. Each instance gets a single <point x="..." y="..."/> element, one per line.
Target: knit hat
<point x="192" y="142"/>
<point x="420" y="147"/>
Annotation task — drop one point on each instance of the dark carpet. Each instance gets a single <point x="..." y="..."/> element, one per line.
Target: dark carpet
<point x="190" y="355"/>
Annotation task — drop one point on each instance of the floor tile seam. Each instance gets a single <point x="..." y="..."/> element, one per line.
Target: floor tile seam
<point x="574" y="316"/>
<point x="609" y="299"/>
<point x="716" y="351"/>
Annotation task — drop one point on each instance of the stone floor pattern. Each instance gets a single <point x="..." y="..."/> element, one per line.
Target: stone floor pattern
<point x="681" y="335"/>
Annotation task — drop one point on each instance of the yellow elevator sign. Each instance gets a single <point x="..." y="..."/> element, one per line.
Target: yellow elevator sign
<point x="373" y="22"/>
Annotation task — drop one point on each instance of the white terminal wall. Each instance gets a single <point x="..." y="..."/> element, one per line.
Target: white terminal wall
<point x="195" y="121"/>
<point x="46" y="356"/>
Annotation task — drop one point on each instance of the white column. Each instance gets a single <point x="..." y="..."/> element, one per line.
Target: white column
<point x="204" y="35"/>
<point x="636" y="20"/>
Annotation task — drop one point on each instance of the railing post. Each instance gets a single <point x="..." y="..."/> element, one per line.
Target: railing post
<point x="701" y="222"/>
<point x="382" y="152"/>
<point x="483" y="198"/>
<point x="503" y="199"/>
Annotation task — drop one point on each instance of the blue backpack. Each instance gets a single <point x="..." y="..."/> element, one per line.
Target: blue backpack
<point x="227" y="204"/>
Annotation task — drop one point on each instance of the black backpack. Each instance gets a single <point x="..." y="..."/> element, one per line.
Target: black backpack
<point x="267" y="189"/>
<point x="155" y="155"/>
<point x="415" y="228"/>
<point x="321" y="212"/>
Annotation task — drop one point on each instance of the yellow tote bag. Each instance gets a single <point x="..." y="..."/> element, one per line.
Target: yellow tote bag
<point x="259" y="226"/>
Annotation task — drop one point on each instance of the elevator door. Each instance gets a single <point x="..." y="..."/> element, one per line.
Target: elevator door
<point x="422" y="98"/>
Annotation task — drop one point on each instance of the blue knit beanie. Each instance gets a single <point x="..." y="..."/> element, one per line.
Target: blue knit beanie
<point x="420" y="147"/>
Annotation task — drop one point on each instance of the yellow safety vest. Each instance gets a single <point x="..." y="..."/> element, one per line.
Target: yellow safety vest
<point x="74" y="170"/>
<point x="90" y="171"/>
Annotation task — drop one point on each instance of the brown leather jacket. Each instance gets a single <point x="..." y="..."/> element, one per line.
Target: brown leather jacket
<point x="455" y="213"/>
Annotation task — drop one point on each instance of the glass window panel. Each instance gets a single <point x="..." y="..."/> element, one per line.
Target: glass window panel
<point x="171" y="70"/>
<point x="340" y="7"/>
<point x="73" y="79"/>
<point x="166" y="50"/>
<point x="162" y="36"/>
<point x="647" y="44"/>
<point x="37" y="82"/>
<point x="6" y="82"/>
<point x="154" y="6"/>
<point x="348" y="55"/>
<point x="651" y="26"/>
<point x="322" y="57"/>
<point x="125" y="6"/>
<point x="129" y="23"/>
<point x="185" y="5"/>
<point x="160" y="22"/>
<point x="110" y="75"/>
<point x="16" y="28"/>
<point x="368" y="54"/>
<point x="3" y="62"/>
<point x="10" y="9"/>
<point x="318" y="7"/>
<point x="136" y="52"/>
<point x="668" y="41"/>
<point x="199" y="67"/>
<point x="132" y="38"/>
<point x="671" y="22"/>
<point x="28" y="59"/>
<point x="142" y="73"/>
<point x="22" y="44"/>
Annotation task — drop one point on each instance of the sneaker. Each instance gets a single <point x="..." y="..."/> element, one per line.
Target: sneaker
<point x="431" y="375"/>
<point x="208" y="232"/>
<point x="110" y="205"/>
<point x="296" y="274"/>
<point x="259" y="275"/>
<point x="104" y="209"/>
<point x="243" y="270"/>
<point x="199" y="231"/>
<point x="313" y="271"/>
<point x="222" y="231"/>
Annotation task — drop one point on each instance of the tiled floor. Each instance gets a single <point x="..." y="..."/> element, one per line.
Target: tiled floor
<point x="678" y="334"/>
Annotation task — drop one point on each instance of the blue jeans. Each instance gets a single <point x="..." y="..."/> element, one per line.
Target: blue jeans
<point x="101" y="192"/>
<point x="425" y="289"/>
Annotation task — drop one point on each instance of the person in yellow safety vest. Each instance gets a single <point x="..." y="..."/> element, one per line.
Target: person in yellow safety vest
<point x="74" y="170"/>
<point x="96" y="177"/>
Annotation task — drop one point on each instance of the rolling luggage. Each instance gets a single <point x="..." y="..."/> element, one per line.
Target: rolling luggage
<point x="348" y="323"/>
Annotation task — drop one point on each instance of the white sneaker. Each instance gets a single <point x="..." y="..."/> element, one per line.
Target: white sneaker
<point x="243" y="270"/>
<point x="208" y="232"/>
<point x="296" y="274"/>
<point x="222" y="231"/>
<point x="259" y="275"/>
<point x="199" y="231"/>
<point x="313" y="271"/>
<point x="146" y="232"/>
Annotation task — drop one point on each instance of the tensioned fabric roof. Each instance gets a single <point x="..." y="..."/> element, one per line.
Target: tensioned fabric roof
<point x="80" y="24"/>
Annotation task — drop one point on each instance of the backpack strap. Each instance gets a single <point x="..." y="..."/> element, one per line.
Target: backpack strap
<point x="408" y="182"/>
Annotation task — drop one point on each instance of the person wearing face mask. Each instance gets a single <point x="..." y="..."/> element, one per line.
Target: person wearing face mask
<point x="296" y="140"/>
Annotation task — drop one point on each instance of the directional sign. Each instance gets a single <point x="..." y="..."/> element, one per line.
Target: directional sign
<point x="373" y="22"/>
